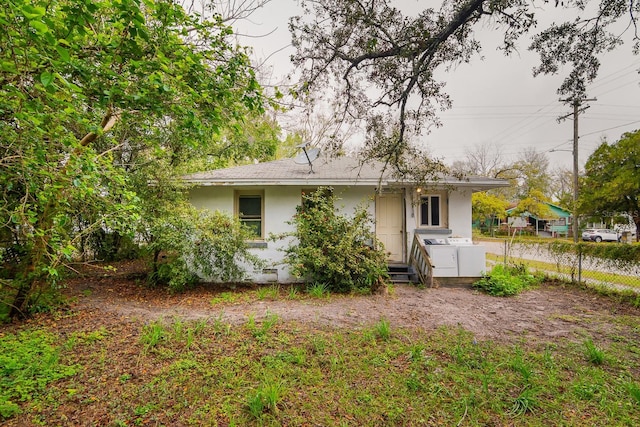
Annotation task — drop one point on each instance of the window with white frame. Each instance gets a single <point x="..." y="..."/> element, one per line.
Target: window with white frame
<point x="430" y="210"/>
<point x="250" y="211"/>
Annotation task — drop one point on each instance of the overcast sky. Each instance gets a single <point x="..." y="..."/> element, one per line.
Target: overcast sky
<point x="495" y="99"/>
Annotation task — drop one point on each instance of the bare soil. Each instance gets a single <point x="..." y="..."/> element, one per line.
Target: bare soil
<point x="549" y="312"/>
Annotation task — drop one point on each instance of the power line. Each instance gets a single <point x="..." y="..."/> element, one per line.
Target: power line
<point x="614" y="127"/>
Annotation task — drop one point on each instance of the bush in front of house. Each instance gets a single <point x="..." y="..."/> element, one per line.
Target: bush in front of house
<point x="507" y="280"/>
<point x="338" y="251"/>
<point x="200" y="245"/>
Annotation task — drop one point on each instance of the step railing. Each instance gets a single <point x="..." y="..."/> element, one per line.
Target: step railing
<point x="420" y="261"/>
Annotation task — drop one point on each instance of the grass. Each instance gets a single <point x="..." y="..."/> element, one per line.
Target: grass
<point x="268" y="372"/>
<point x="318" y="290"/>
<point x="594" y="353"/>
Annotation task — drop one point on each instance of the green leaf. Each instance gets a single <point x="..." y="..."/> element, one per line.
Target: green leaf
<point x="64" y="53"/>
<point x="46" y="78"/>
<point x="39" y="26"/>
<point x="33" y="12"/>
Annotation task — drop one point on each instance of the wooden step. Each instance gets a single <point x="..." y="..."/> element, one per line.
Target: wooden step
<point x="401" y="273"/>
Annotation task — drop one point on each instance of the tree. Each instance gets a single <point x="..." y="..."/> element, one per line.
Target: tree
<point x="487" y="207"/>
<point x="533" y="176"/>
<point x="562" y="187"/>
<point x="482" y="160"/>
<point x="382" y="63"/>
<point x="534" y="204"/>
<point x="611" y="182"/>
<point x="85" y="86"/>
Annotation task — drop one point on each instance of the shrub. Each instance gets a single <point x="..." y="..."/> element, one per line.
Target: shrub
<point x="504" y="280"/>
<point x="338" y="251"/>
<point x="200" y="244"/>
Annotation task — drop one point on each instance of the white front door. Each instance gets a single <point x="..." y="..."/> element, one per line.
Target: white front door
<point x="390" y="225"/>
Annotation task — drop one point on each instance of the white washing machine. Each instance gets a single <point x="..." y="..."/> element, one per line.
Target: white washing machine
<point x="471" y="258"/>
<point x="444" y="259"/>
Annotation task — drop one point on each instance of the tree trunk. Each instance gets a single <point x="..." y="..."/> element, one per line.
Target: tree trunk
<point x="19" y="301"/>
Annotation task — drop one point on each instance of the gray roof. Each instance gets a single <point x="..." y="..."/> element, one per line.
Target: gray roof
<point x="326" y="172"/>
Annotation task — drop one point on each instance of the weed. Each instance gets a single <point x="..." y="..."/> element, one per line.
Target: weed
<point x="594" y="354"/>
<point x="268" y="323"/>
<point x="416" y="352"/>
<point x="296" y="356"/>
<point x="293" y="293"/>
<point x="506" y="280"/>
<point x="124" y="378"/>
<point x="525" y="402"/>
<point x="255" y="405"/>
<point x="382" y="329"/>
<point x="224" y="297"/>
<point x="152" y="334"/>
<point x="219" y="327"/>
<point x="178" y="329"/>
<point x="519" y="365"/>
<point x="274" y="291"/>
<point x="318" y="290"/>
<point x="319" y="344"/>
<point x="270" y="292"/>
<point x="266" y="398"/>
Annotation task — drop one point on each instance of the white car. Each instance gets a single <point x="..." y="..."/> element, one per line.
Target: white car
<point x="600" y="235"/>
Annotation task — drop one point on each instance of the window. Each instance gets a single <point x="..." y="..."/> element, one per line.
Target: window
<point x="430" y="211"/>
<point x="249" y="208"/>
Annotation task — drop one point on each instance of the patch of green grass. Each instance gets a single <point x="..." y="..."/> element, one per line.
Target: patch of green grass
<point x="259" y="331"/>
<point x="594" y="353"/>
<point x="318" y="290"/>
<point x="265" y="398"/>
<point x="271" y="292"/>
<point x="153" y="334"/>
<point x="269" y="372"/>
<point x="525" y="402"/>
<point x="293" y="293"/>
<point x="225" y="298"/>
<point x="634" y="391"/>
<point x="382" y="329"/>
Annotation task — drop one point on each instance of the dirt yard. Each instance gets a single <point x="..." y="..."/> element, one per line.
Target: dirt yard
<point x="546" y="313"/>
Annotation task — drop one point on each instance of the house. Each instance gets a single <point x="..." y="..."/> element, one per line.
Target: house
<point x="556" y="223"/>
<point x="265" y="195"/>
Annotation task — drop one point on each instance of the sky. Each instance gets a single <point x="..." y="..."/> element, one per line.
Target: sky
<point x="496" y="99"/>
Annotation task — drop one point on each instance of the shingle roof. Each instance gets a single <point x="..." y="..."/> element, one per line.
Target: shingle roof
<point x="326" y="171"/>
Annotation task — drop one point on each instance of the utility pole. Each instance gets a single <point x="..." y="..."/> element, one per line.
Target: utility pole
<point x="576" y="102"/>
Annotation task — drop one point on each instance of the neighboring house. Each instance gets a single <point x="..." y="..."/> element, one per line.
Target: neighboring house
<point x="265" y="195"/>
<point x="557" y="223"/>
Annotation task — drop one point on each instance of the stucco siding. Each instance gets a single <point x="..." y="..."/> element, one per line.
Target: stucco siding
<point x="460" y="217"/>
<point x="279" y="208"/>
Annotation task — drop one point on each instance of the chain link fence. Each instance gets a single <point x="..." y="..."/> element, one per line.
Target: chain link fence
<point x="613" y="265"/>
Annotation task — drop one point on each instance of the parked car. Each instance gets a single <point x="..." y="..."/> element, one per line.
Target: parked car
<point x="600" y="235"/>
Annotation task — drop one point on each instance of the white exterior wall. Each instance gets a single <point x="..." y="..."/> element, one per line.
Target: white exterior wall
<point x="460" y="218"/>
<point x="279" y="207"/>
